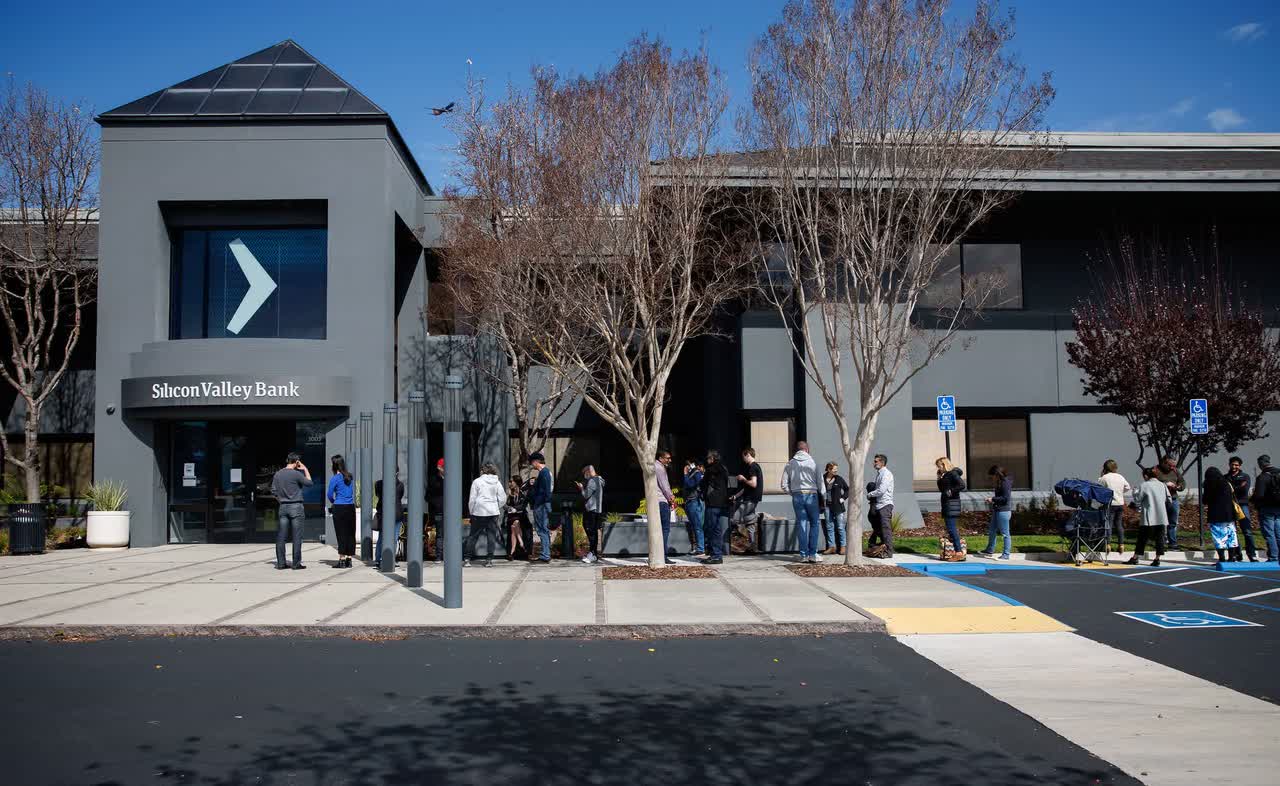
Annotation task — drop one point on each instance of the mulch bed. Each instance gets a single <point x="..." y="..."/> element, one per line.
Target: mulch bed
<point x="823" y="571"/>
<point x="620" y="573"/>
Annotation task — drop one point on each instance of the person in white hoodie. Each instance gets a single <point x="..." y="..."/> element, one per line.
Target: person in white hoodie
<point x="800" y="480"/>
<point x="1112" y="479"/>
<point x="487" y="502"/>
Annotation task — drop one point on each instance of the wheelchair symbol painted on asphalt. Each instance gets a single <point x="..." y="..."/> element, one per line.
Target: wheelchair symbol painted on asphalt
<point x="1187" y="620"/>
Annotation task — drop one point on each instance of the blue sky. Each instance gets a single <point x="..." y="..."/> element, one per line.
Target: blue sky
<point x="1118" y="65"/>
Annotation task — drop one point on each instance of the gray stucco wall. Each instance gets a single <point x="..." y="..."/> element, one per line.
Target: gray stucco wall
<point x="354" y="168"/>
<point x="893" y="438"/>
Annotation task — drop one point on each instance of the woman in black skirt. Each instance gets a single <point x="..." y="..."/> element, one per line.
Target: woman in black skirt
<point x="343" y="499"/>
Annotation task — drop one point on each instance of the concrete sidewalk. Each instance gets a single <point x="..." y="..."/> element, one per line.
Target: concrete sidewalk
<point x="228" y="588"/>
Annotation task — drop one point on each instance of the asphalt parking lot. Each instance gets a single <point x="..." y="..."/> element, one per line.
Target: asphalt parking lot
<point x="1235" y="642"/>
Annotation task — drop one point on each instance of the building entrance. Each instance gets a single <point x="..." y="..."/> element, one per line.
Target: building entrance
<point x="220" y="478"/>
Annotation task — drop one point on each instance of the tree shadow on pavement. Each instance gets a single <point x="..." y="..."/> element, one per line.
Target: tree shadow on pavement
<point x="510" y="734"/>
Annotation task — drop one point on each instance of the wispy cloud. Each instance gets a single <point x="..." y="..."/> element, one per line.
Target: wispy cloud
<point x="1248" y="31"/>
<point x="1159" y="120"/>
<point x="1224" y="119"/>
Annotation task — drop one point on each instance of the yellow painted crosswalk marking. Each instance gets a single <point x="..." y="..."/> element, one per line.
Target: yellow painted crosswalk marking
<point x="968" y="619"/>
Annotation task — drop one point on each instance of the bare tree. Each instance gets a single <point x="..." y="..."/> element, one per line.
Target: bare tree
<point x="628" y="261"/>
<point x="48" y="162"/>
<point x="883" y="133"/>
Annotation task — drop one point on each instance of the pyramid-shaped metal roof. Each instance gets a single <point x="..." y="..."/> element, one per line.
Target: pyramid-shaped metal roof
<point x="281" y="81"/>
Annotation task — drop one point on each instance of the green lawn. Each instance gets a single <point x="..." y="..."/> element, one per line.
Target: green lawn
<point x="1021" y="543"/>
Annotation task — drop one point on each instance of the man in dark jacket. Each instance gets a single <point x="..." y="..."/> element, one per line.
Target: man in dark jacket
<point x="1240" y="483"/>
<point x="435" y="505"/>
<point x="540" y="504"/>
<point x="1266" y="500"/>
<point x="714" y="490"/>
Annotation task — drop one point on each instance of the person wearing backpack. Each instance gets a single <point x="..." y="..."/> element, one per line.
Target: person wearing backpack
<point x="1266" y="500"/>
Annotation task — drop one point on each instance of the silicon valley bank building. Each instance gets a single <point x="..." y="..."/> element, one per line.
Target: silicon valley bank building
<point x="268" y="250"/>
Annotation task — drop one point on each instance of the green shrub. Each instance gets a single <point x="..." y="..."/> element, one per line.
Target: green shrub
<point x="107" y="495"/>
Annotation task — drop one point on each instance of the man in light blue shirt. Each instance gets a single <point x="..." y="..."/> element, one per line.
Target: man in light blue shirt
<point x="881" y="499"/>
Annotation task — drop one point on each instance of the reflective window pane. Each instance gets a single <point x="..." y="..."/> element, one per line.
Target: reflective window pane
<point x="1002" y="441"/>
<point x="211" y="284"/>
<point x="944" y="290"/>
<point x="995" y="268"/>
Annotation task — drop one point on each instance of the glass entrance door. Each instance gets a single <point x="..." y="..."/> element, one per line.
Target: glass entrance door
<point x="220" y="478"/>
<point x="234" y="513"/>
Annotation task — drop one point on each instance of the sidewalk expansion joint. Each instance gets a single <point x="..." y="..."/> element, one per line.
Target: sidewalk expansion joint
<point x="846" y="603"/>
<point x="59" y="564"/>
<point x="758" y="612"/>
<point x="602" y="603"/>
<point x="357" y="604"/>
<point x="297" y="590"/>
<point x="145" y="588"/>
<point x="85" y="585"/>
<point x="507" y="597"/>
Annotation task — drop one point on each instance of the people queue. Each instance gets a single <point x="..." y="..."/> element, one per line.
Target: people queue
<point x="819" y="502"/>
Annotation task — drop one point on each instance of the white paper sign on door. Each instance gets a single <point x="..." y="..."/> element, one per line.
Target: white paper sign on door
<point x="235" y="475"/>
<point x="189" y="470"/>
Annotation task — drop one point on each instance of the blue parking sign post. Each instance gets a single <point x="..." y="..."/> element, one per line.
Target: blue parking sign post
<point x="1199" y="410"/>
<point x="947" y="418"/>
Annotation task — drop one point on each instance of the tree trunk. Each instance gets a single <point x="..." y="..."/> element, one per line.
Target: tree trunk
<point x="858" y="505"/>
<point x="31" y="452"/>
<point x="652" y="500"/>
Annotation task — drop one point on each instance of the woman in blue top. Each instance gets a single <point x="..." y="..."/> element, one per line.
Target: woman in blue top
<point x="342" y="497"/>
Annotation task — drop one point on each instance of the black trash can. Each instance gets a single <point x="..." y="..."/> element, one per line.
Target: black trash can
<point x="26" y="528"/>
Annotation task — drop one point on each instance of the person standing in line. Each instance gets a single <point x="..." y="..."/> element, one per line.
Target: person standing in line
<point x="800" y="480"/>
<point x="1266" y="500"/>
<point x="540" y="504"/>
<point x="1001" y="502"/>
<point x="342" y="498"/>
<point x="486" y="502"/>
<point x="881" y="498"/>
<point x="435" y="506"/>
<point x="286" y="487"/>
<point x="1169" y="474"/>
<point x="714" y="490"/>
<point x="747" y="498"/>
<point x="668" y="502"/>
<point x="1240" y="483"/>
<point x="391" y="506"/>
<point x="835" y="490"/>
<point x="693" y="507"/>
<point x="1152" y="499"/>
<point x="593" y="511"/>
<point x="517" y="517"/>
<point x="950" y="484"/>
<point x="1220" y="509"/>
<point x="1112" y="479"/>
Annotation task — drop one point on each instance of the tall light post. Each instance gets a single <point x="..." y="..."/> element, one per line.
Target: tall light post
<point x="453" y="493"/>
<point x="389" y="513"/>
<point x="415" y="488"/>
<point x="365" y="468"/>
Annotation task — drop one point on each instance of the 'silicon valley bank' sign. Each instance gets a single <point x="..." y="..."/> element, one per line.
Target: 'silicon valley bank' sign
<point x="226" y="389"/>
<point x="222" y="390"/>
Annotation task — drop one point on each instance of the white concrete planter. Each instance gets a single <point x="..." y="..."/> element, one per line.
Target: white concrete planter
<point x="108" y="529"/>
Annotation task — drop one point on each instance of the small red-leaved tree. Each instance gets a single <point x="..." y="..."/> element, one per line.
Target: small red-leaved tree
<point x="1160" y="329"/>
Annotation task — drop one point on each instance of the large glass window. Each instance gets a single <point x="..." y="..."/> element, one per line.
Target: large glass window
<point x="976" y="444"/>
<point x="977" y="266"/>
<point x="249" y="283"/>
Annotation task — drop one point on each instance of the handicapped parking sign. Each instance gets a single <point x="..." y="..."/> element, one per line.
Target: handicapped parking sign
<point x="1199" y="416"/>
<point x="1187" y="620"/>
<point x="946" y="413"/>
